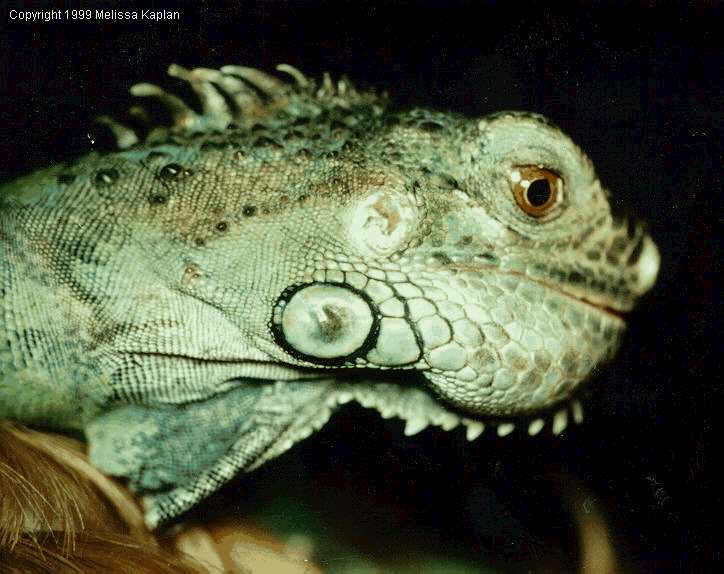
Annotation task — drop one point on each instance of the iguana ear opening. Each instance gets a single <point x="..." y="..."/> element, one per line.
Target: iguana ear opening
<point x="383" y="222"/>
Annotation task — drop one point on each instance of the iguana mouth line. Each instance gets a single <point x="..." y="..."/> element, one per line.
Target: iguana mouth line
<point x="606" y="309"/>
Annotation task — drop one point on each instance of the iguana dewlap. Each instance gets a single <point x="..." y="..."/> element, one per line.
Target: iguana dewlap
<point x="203" y="297"/>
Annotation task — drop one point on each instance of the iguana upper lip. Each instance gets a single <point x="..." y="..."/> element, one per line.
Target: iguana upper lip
<point x="618" y="314"/>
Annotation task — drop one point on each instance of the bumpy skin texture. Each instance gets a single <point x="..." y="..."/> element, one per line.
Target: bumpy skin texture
<point x="202" y="298"/>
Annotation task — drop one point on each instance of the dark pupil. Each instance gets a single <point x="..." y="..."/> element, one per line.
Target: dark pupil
<point x="539" y="192"/>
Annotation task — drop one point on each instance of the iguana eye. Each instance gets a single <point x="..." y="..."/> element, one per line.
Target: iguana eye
<point x="537" y="190"/>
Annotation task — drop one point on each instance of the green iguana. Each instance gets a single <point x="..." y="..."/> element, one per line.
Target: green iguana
<point x="203" y="297"/>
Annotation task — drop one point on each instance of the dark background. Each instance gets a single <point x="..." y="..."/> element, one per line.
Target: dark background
<point x="638" y="88"/>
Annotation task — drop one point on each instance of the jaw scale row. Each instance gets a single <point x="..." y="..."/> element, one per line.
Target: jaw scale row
<point x="419" y="411"/>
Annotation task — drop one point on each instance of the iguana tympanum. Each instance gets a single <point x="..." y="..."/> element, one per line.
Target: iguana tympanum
<point x="204" y="296"/>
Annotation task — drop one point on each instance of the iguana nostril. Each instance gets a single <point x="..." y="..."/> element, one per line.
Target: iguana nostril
<point x="632" y="226"/>
<point x="636" y="252"/>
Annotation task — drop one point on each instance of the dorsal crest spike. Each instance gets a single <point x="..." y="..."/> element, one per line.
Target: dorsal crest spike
<point x="302" y="81"/>
<point x="238" y="96"/>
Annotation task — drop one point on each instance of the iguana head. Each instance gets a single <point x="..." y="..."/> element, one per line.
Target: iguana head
<point x="482" y="253"/>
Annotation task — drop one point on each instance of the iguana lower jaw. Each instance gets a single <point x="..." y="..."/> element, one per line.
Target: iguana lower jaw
<point x="420" y="408"/>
